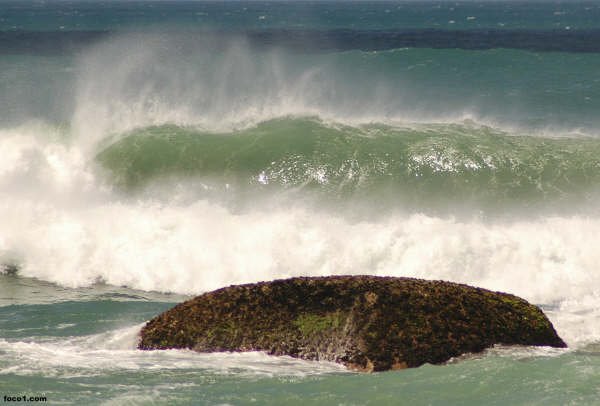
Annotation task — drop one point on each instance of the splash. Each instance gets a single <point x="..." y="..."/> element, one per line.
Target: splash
<point x="226" y="84"/>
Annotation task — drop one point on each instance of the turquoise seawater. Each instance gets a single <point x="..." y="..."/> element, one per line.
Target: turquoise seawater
<point x="78" y="346"/>
<point x="155" y="150"/>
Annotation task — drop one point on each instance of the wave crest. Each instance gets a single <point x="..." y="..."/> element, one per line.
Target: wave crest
<point x="414" y="166"/>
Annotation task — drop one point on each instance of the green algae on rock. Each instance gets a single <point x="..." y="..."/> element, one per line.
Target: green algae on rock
<point x="367" y="323"/>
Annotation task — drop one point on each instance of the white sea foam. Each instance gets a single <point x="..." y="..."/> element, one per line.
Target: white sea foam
<point x="514" y="352"/>
<point x="65" y="231"/>
<point x="115" y="351"/>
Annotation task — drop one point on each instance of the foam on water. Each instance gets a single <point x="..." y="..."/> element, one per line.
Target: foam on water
<point x="115" y="351"/>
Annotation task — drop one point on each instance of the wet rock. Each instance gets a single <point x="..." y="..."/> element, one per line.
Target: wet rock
<point x="367" y="323"/>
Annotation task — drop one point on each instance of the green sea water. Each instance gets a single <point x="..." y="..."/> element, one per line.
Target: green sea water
<point x="414" y="167"/>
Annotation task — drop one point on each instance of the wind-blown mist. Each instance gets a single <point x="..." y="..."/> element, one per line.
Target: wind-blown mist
<point x="224" y="84"/>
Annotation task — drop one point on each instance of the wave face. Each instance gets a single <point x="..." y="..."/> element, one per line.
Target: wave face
<point x="166" y="163"/>
<point x="419" y="166"/>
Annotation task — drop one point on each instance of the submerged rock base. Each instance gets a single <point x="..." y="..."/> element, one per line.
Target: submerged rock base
<point x="365" y="322"/>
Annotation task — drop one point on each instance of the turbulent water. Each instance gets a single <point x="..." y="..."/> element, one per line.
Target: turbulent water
<point x="156" y="150"/>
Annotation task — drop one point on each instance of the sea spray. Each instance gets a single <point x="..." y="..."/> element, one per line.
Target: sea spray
<point x="130" y="81"/>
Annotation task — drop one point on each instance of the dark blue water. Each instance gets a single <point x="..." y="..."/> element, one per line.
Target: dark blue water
<point x="322" y="15"/>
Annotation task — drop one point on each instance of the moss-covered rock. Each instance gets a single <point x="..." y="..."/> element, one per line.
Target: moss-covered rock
<point x="365" y="322"/>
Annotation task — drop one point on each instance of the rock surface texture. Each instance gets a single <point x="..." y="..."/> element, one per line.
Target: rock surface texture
<point x="367" y="323"/>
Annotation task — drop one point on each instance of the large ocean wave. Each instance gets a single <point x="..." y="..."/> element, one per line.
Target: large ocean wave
<point x="419" y="165"/>
<point x="172" y="171"/>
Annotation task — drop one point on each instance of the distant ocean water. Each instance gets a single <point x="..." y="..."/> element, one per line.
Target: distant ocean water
<point x="156" y="150"/>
